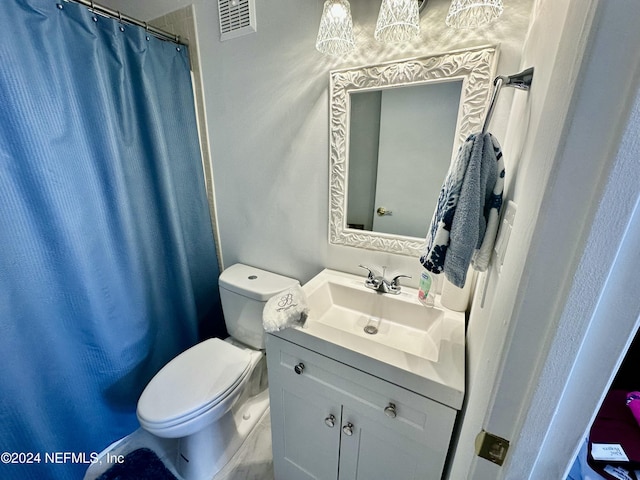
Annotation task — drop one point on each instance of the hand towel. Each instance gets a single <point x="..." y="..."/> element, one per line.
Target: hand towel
<point x="437" y="242"/>
<point x="466" y="219"/>
<point x="481" y="257"/>
<point x="469" y="223"/>
<point x="286" y="309"/>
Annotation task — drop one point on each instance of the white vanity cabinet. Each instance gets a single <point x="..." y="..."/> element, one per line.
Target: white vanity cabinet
<point x="332" y="421"/>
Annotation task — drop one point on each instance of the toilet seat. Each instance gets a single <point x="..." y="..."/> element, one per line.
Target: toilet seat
<point x="193" y="383"/>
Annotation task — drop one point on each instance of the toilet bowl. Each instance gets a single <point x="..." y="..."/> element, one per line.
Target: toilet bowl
<point x="188" y="394"/>
<point x="211" y="396"/>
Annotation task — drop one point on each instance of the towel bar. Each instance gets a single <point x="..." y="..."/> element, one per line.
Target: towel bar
<point x="521" y="81"/>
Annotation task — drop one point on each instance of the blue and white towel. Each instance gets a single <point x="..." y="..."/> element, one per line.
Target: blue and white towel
<point x="493" y="205"/>
<point x="438" y="234"/>
<point x="467" y="209"/>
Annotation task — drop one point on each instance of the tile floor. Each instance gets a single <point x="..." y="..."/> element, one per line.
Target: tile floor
<point x="252" y="461"/>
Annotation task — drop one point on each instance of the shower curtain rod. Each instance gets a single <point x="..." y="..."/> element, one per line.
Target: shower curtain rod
<point x="121" y="17"/>
<point x="521" y="81"/>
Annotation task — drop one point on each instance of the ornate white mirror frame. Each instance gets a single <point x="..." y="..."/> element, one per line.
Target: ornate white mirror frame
<point x="475" y="67"/>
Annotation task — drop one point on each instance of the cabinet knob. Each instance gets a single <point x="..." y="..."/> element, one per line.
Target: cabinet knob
<point x="330" y="421"/>
<point x="348" y="429"/>
<point x="299" y="368"/>
<point x="390" y="410"/>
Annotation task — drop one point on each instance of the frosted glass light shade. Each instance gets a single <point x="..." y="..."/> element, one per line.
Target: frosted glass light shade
<point x="335" y="35"/>
<point x="398" y="21"/>
<point x="473" y="13"/>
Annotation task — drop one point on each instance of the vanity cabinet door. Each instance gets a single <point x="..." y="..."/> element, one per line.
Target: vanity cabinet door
<point x="306" y="446"/>
<point x="305" y="424"/>
<point x="374" y="450"/>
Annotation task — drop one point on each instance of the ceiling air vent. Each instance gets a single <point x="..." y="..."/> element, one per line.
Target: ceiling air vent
<point x="237" y="18"/>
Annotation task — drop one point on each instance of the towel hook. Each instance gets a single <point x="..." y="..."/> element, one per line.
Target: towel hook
<point x="521" y="81"/>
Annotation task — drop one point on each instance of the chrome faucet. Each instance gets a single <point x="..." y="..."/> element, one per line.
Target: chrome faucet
<point x="381" y="284"/>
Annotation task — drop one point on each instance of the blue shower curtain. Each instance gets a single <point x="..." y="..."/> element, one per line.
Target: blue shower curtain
<point x="107" y="259"/>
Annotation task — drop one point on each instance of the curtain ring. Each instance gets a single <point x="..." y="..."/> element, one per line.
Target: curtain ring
<point x="93" y="10"/>
<point x="120" y="20"/>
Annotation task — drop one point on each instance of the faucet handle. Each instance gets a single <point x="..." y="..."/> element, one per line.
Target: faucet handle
<point x="371" y="275"/>
<point x="372" y="280"/>
<point x="396" y="282"/>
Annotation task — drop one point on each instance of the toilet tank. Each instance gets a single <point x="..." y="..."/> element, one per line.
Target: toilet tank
<point x="244" y="290"/>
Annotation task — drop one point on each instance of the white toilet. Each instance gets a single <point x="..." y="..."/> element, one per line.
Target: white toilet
<point x="212" y="395"/>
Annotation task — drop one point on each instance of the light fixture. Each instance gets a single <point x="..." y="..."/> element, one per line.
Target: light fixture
<point x="398" y="20"/>
<point x="335" y="35"/>
<point x="473" y="13"/>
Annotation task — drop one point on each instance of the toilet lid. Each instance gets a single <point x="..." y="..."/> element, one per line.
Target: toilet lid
<point x="194" y="380"/>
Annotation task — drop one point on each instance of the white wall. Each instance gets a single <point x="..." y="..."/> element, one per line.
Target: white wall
<point x="533" y="137"/>
<point x="267" y="106"/>
<point x="583" y="259"/>
<point x="536" y="322"/>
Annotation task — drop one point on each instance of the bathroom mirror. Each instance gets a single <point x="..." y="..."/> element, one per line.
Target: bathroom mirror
<point x="395" y="128"/>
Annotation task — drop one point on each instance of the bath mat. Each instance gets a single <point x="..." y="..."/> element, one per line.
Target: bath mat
<point x="141" y="464"/>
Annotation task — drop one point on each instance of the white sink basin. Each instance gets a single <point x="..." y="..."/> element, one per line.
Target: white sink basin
<point x="342" y="309"/>
<point x="421" y="348"/>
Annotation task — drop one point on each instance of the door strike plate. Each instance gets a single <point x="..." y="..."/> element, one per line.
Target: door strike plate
<point x="491" y="447"/>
